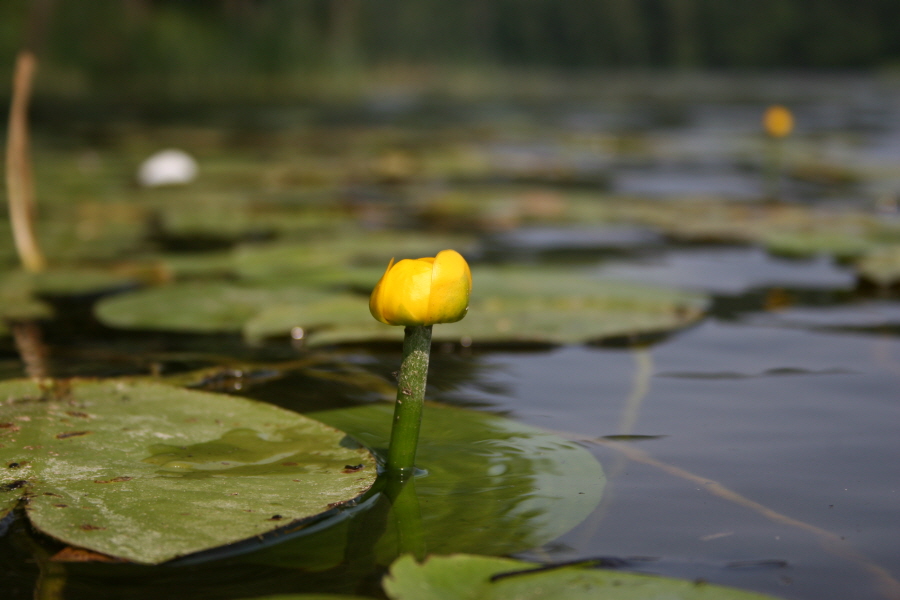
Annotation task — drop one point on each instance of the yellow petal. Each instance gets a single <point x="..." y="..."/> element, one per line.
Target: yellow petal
<point x="376" y="300"/>
<point x="451" y="284"/>
<point x="405" y="292"/>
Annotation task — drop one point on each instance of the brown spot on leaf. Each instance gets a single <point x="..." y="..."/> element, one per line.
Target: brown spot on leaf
<point x="89" y="527"/>
<point x="276" y="518"/>
<point x="76" y="413"/>
<point x="352" y="468"/>
<point x="113" y="480"/>
<point x="69" y="434"/>
<point x="61" y="505"/>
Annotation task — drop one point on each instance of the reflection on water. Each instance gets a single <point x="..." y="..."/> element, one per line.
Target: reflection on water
<point x="817" y="443"/>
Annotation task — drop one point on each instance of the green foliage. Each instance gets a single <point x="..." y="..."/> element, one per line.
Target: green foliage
<point x="148" y="472"/>
<point x="488" y="485"/>
<point x="541" y="305"/>
<point x="462" y="577"/>
<point x="176" y="48"/>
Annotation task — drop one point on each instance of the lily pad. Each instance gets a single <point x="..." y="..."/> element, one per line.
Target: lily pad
<point x="20" y="291"/>
<point x="73" y="281"/>
<point x="149" y="472"/>
<point x="198" y="307"/>
<point x="17" y="300"/>
<point x="544" y="306"/>
<point x="507" y="305"/>
<point x="881" y="267"/>
<point x="840" y="244"/>
<point x="487" y="485"/>
<point x="464" y="577"/>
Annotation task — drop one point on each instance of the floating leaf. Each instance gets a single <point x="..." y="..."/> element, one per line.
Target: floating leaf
<point x="73" y="281"/>
<point x="200" y="307"/>
<point x="282" y="319"/>
<point x="17" y="300"/>
<point x="841" y="244"/>
<point x="540" y="305"/>
<point x="508" y="305"/>
<point x="490" y="485"/>
<point x="464" y="577"/>
<point x="881" y="267"/>
<point x="149" y="472"/>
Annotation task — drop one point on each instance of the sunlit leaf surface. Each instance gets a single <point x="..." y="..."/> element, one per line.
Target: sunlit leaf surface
<point x="149" y="472"/>
<point x="462" y="577"/>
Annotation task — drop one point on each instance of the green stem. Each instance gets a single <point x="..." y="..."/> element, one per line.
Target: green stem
<point x="410" y="397"/>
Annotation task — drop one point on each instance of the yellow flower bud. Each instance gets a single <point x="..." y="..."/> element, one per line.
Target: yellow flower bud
<point x="423" y="291"/>
<point x="778" y="121"/>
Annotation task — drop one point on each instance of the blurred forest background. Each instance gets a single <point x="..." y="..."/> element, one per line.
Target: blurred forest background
<point x="150" y="49"/>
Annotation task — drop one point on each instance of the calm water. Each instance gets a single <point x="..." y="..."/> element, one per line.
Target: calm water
<point x="757" y="449"/>
<point x="802" y="421"/>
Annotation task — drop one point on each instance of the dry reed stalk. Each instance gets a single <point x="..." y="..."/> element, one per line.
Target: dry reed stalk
<point x="19" y="180"/>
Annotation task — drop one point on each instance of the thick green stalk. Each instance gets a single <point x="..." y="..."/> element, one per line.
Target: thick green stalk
<point x="410" y="397"/>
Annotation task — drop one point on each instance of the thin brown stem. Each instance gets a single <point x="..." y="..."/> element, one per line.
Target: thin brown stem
<point x="19" y="180"/>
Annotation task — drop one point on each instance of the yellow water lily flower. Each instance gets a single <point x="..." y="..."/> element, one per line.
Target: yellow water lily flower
<point x="778" y="121"/>
<point x="423" y="291"/>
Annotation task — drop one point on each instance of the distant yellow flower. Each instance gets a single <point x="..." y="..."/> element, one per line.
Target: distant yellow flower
<point x="778" y="121"/>
<point x="423" y="291"/>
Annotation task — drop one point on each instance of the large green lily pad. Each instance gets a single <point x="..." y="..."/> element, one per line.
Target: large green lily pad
<point x="463" y="577"/>
<point x="543" y="306"/>
<point x="508" y="305"/>
<point x="149" y="472"/>
<point x="488" y="485"/>
<point x="199" y="307"/>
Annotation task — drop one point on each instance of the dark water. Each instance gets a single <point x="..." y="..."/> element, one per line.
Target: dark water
<point x="757" y="449"/>
<point x="800" y="421"/>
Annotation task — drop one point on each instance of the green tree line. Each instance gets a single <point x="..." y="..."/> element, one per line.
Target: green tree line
<point x="109" y="39"/>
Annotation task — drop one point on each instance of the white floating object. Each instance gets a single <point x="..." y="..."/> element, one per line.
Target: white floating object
<point x="167" y="167"/>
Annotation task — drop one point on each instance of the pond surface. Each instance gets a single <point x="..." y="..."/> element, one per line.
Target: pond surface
<point x="757" y="448"/>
